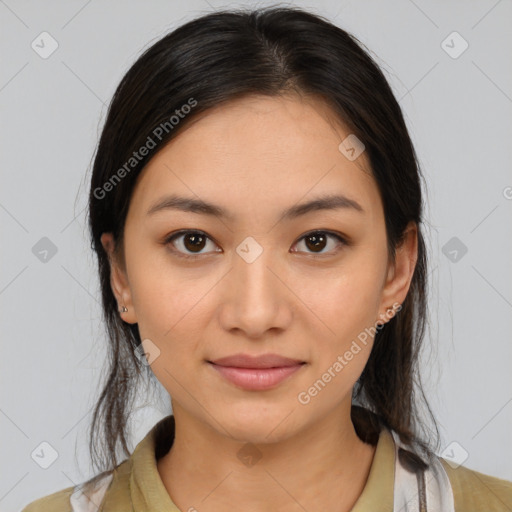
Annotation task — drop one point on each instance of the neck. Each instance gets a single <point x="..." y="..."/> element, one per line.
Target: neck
<point x="324" y="466"/>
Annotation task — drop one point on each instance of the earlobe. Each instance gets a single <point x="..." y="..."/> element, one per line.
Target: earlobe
<point x="400" y="271"/>
<point x="118" y="281"/>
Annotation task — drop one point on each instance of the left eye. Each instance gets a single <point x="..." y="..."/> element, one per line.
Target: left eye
<point x="195" y="241"/>
<point x="318" y="240"/>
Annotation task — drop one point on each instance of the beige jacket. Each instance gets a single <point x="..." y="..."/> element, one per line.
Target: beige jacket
<point x="393" y="484"/>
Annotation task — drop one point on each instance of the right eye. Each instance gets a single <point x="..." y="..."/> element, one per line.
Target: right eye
<point x="188" y="240"/>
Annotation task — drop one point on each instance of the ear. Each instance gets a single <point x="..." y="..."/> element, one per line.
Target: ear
<point x="119" y="280"/>
<point x="399" y="274"/>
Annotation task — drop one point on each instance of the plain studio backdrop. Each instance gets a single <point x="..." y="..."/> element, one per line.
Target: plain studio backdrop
<point x="450" y="68"/>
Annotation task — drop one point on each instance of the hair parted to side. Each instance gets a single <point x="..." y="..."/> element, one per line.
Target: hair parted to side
<point x="223" y="56"/>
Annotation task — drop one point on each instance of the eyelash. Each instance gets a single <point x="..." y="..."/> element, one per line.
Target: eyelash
<point x="173" y="236"/>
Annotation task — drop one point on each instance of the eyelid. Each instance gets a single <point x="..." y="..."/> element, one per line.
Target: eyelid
<point x="344" y="241"/>
<point x="176" y="234"/>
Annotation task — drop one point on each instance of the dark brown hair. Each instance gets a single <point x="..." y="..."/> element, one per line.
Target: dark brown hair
<point x="227" y="55"/>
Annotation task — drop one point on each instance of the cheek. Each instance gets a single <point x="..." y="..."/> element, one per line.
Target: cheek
<point x="347" y="303"/>
<point x="171" y="313"/>
<point x="163" y="294"/>
<point x="350" y="296"/>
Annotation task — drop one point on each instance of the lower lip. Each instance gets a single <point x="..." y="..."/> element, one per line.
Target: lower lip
<point x="256" y="379"/>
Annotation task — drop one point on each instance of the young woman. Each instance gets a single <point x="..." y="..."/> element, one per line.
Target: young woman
<point x="256" y="210"/>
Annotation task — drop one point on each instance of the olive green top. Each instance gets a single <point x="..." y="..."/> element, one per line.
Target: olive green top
<point x="135" y="484"/>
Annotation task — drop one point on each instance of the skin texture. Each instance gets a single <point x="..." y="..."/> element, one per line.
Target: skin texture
<point x="256" y="157"/>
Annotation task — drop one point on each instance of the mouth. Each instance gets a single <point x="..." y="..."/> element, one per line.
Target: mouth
<point x="256" y="373"/>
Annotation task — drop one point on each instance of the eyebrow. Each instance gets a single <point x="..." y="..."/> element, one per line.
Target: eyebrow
<point x="192" y="205"/>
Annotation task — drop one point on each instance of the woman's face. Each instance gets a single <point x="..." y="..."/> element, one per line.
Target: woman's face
<point x="257" y="281"/>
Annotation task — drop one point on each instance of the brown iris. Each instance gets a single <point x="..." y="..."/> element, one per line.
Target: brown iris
<point x="194" y="241"/>
<point x="315" y="242"/>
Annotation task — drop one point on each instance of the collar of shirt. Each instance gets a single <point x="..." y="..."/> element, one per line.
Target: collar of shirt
<point x="137" y="484"/>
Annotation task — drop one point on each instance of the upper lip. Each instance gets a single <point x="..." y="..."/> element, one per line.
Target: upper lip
<point x="263" y="361"/>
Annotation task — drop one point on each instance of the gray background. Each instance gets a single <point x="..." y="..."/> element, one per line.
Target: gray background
<point x="458" y="111"/>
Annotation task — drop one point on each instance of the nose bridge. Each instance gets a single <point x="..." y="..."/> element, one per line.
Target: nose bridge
<point x="252" y="264"/>
<point x="256" y="298"/>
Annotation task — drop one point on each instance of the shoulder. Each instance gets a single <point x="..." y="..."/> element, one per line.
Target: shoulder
<point x="57" y="502"/>
<point x="84" y="497"/>
<point x="475" y="491"/>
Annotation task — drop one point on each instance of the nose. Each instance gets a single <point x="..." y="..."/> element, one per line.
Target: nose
<point x="256" y="298"/>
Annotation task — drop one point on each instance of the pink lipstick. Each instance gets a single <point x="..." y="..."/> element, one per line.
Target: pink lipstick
<point x="256" y="373"/>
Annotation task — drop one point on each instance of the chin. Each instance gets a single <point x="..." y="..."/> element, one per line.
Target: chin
<point x="259" y="425"/>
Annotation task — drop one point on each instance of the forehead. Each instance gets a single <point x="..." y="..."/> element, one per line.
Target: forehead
<point x="258" y="154"/>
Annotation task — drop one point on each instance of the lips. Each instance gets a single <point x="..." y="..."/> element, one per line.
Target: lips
<point x="263" y="361"/>
<point x="256" y="373"/>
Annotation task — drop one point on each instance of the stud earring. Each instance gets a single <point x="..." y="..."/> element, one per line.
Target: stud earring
<point x="123" y="309"/>
<point x="391" y="308"/>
